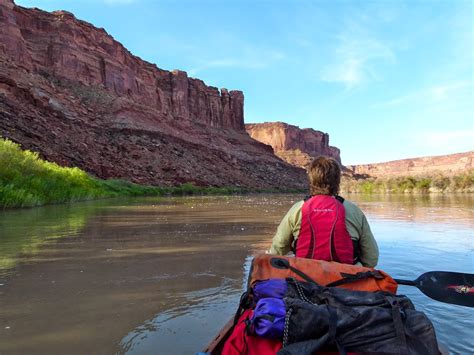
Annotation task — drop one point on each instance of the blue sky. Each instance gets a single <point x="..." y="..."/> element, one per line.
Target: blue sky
<point x="386" y="79"/>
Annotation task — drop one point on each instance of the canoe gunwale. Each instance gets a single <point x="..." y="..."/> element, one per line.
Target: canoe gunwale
<point x="216" y="344"/>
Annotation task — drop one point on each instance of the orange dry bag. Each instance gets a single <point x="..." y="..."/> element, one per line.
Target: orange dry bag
<point x="324" y="273"/>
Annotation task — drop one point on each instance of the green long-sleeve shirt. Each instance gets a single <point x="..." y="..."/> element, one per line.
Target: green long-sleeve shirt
<point x="356" y="224"/>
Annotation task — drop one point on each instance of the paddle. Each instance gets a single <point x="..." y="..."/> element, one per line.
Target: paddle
<point x="449" y="287"/>
<point x="444" y="286"/>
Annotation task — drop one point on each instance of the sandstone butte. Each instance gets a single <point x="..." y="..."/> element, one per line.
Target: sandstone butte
<point x="69" y="91"/>
<point x="299" y="146"/>
<point x="294" y="145"/>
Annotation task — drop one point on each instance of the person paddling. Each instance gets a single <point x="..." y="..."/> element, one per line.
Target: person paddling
<point x="325" y="226"/>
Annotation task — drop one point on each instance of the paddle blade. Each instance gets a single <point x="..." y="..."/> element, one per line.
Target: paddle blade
<point x="449" y="287"/>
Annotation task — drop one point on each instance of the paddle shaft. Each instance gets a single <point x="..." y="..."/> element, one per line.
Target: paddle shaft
<point x="405" y="282"/>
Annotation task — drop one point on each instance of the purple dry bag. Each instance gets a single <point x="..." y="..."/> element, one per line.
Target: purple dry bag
<point x="268" y="318"/>
<point x="275" y="288"/>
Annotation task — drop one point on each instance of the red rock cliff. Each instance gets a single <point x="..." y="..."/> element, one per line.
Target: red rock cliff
<point x="65" y="47"/>
<point x="451" y="164"/>
<point x="71" y="92"/>
<point x="295" y="145"/>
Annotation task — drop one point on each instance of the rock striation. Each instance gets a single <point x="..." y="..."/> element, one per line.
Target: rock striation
<point x="294" y="145"/>
<point x="60" y="45"/>
<point x="69" y="91"/>
<point x="447" y="165"/>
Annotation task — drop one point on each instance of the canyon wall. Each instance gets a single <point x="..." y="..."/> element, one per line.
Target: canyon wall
<point x="448" y="165"/>
<point x="294" y="145"/>
<point x="72" y="93"/>
<point x="59" y="45"/>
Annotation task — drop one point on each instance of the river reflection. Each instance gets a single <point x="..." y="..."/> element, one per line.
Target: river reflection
<point x="161" y="276"/>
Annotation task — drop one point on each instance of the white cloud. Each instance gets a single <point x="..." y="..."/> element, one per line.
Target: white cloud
<point x="354" y="59"/>
<point x="248" y="58"/>
<point x="430" y="95"/>
<point x="455" y="140"/>
<point x="349" y="72"/>
<point x="442" y="92"/>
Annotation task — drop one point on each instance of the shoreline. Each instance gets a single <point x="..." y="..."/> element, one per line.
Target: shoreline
<point x="427" y="184"/>
<point x="28" y="181"/>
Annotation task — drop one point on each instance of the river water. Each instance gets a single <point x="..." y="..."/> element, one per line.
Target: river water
<point x="162" y="275"/>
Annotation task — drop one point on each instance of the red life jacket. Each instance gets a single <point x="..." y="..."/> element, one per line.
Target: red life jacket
<point x="323" y="234"/>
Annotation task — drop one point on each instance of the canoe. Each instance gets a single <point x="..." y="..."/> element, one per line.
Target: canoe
<point x="267" y="267"/>
<point x="216" y="345"/>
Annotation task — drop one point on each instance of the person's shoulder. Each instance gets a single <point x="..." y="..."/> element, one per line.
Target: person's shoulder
<point x="294" y="213"/>
<point x="297" y="205"/>
<point x="349" y="203"/>
<point x="351" y="206"/>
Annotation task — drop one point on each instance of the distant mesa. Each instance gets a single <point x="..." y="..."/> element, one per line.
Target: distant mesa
<point x="299" y="147"/>
<point x="448" y="165"/>
<point x="294" y="145"/>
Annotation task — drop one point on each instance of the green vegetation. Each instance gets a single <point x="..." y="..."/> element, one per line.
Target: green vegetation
<point x="409" y="184"/>
<point x="27" y="181"/>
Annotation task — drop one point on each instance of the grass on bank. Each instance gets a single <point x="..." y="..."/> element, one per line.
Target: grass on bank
<point x="27" y="181"/>
<point x="408" y="184"/>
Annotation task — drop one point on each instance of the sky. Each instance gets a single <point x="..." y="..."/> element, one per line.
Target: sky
<point x="385" y="79"/>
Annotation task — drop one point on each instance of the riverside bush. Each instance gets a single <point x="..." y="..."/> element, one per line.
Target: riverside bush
<point x="408" y="184"/>
<point x="423" y="184"/>
<point x="27" y="181"/>
<point x="440" y="182"/>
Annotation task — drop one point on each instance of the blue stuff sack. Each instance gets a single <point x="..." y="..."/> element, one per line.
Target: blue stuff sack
<point x="275" y="288"/>
<point x="268" y="319"/>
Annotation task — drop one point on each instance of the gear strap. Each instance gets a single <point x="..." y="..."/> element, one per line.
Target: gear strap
<point x="348" y="278"/>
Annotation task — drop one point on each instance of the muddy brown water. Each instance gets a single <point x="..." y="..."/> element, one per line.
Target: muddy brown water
<point x="162" y="275"/>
